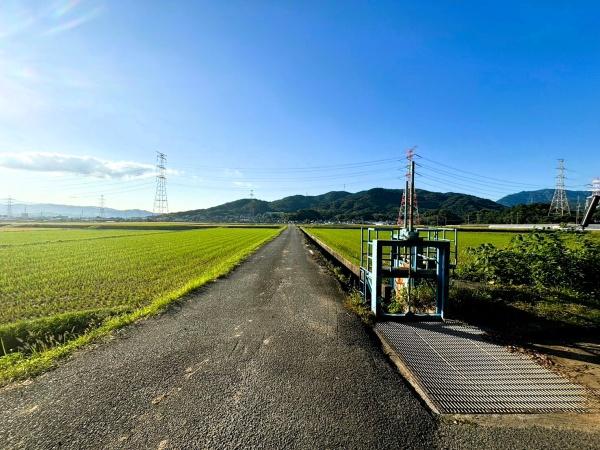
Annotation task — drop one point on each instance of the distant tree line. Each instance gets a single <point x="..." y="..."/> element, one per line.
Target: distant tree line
<point x="520" y="214"/>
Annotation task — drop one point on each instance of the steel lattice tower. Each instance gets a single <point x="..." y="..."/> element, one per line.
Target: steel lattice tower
<point x="596" y="186"/>
<point x="9" y="207"/>
<point x="161" y="204"/>
<point x="102" y="206"/>
<point x="409" y="196"/>
<point x="560" y="204"/>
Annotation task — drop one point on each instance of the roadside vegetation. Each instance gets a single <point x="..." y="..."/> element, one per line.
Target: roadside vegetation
<point x="550" y="280"/>
<point x="58" y="294"/>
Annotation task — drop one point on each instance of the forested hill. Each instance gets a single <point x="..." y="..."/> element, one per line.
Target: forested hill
<point x="541" y="196"/>
<point x="376" y="204"/>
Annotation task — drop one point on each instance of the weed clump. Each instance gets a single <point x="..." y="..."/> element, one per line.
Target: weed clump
<point x="539" y="260"/>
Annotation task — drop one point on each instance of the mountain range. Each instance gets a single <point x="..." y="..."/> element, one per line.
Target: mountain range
<point x="376" y="204"/>
<point x="47" y="210"/>
<point x="541" y="196"/>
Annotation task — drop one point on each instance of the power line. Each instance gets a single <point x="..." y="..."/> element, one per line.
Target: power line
<point x="485" y="177"/>
<point x="215" y="187"/>
<point x="481" y="181"/>
<point x="303" y="169"/>
<point x="327" y="176"/>
<point x="136" y="186"/>
<point x="161" y="204"/>
<point x="445" y="182"/>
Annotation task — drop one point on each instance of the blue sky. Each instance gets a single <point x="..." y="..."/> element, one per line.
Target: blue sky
<point x="289" y="97"/>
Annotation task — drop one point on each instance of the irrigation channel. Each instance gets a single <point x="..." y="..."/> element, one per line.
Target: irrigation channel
<point x="266" y="357"/>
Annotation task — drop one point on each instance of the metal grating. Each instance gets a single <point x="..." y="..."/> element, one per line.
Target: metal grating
<point x="464" y="374"/>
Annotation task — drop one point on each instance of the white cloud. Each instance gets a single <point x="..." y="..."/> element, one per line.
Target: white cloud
<point x="82" y="165"/>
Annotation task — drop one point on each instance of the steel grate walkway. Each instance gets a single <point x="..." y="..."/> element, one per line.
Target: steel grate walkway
<point x="464" y="374"/>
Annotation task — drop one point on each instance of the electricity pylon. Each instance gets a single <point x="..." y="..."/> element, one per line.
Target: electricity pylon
<point x="560" y="204"/>
<point x="161" y="204"/>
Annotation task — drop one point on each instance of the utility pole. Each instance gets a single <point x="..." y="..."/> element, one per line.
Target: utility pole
<point x="408" y="215"/>
<point x="560" y="205"/>
<point x="161" y="204"/>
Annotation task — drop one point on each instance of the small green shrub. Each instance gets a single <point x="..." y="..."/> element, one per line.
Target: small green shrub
<point x="542" y="260"/>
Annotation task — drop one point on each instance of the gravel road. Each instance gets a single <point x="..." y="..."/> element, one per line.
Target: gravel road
<point x="266" y="357"/>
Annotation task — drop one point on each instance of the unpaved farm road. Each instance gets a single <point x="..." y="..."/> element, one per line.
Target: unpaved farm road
<point x="266" y="357"/>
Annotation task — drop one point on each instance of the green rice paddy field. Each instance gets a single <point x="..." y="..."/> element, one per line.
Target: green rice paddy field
<point x="44" y="272"/>
<point x="347" y="240"/>
<point x="62" y="288"/>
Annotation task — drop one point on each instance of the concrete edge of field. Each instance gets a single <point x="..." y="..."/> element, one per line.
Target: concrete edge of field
<point x="589" y="421"/>
<point x="336" y="255"/>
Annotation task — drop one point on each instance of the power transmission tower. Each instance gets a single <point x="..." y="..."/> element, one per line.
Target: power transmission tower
<point x="596" y="186"/>
<point x="560" y="205"/>
<point x="578" y="209"/>
<point x="161" y="204"/>
<point x="409" y="208"/>
<point x="102" y="206"/>
<point x="9" y="201"/>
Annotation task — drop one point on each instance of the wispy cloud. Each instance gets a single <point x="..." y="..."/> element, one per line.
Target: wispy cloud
<point x="82" y="165"/>
<point x="23" y="19"/>
<point x="62" y="7"/>
<point x="75" y="22"/>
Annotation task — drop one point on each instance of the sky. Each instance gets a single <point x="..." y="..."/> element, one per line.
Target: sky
<point x="286" y="97"/>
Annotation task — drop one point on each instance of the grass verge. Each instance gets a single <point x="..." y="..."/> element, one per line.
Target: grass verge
<point x="19" y="365"/>
<point x="523" y="313"/>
